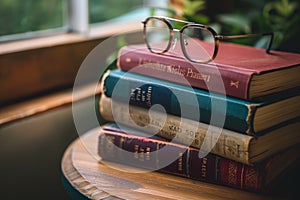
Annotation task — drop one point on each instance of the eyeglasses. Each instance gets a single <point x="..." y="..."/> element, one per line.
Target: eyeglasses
<point x="199" y="43"/>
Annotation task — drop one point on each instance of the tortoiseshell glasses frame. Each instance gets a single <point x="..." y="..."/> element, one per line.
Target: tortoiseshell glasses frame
<point x="191" y="25"/>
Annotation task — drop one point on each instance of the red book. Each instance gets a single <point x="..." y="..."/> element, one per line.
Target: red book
<point x="139" y="150"/>
<point x="247" y="72"/>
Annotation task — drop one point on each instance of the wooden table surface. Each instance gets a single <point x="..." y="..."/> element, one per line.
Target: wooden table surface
<point x="83" y="170"/>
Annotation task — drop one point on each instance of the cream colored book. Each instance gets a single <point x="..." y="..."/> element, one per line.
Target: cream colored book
<point x="229" y="144"/>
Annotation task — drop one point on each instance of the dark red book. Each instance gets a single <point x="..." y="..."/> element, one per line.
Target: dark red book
<point x="247" y="72"/>
<point x="139" y="150"/>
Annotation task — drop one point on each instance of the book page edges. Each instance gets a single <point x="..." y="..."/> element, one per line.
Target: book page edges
<point x="228" y="144"/>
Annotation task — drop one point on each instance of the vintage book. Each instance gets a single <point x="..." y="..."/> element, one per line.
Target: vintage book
<point x="247" y="72"/>
<point x="239" y="115"/>
<point x="233" y="145"/>
<point x="139" y="150"/>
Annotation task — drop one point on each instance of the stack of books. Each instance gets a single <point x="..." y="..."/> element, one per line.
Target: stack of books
<point x="167" y="116"/>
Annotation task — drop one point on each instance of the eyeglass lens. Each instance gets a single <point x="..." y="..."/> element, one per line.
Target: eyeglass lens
<point x="197" y="43"/>
<point x="158" y="35"/>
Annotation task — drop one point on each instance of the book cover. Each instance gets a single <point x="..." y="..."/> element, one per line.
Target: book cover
<point x="246" y="72"/>
<point x="200" y="105"/>
<point x="147" y="152"/>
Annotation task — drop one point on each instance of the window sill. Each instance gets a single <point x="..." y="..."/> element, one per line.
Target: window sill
<point x="44" y="103"/>
<point x="38" y="74"/>
<point x="100" y="31"/>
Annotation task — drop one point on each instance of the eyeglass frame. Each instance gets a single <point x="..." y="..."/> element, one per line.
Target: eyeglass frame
<point x="217" y="37"/>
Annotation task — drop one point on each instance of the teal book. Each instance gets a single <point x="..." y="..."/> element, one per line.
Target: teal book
<point x="200" y="105"/>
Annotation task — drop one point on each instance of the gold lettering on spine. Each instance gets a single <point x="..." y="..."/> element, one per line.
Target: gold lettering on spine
<point x="173" y="69"/>
<point x="136" y="151"/>
<point x="151" y="65"/>
<point x="176" y="70"/>
<point x="132" y="98"/>
<point x="128" y="60"/>
<point x="232" y="173"/>
<point x="148" y="96"/>
<point x="251" y="179"/>
<point x="148" y="150"/>
<point x="142" y="154"/>
<point x="180" y="162"/>
<point x="196" y="75"/>
<point x="204" y="167"/>
<point x="137" y="94"/>
<point x="234" y="84"/>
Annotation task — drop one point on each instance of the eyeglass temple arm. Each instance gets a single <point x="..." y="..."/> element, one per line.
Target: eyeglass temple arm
<point x="271" y="34"/>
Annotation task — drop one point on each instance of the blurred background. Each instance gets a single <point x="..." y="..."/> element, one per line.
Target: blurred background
<point x="228" y="17"/>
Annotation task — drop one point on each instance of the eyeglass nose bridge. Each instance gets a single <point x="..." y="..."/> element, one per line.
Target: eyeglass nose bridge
<point x="173" y="39"/>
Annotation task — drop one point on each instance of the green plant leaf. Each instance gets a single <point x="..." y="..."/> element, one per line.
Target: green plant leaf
<point x="193" y="7"/>
<point x="200" y="19"/>
<point x="235" y="20"/>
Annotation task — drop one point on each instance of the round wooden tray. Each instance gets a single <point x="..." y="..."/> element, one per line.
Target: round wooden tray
<point x="83" y="170"/>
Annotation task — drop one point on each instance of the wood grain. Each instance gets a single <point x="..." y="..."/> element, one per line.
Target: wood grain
<point x="30" y="107"/>
<point x="98" y="180"/>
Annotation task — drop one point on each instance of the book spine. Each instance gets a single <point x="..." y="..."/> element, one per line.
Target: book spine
<point x="223" y="142"/>
<point x="176" y="69"/>
<point x="145" y="153"/>
<point x="181" y="101"/>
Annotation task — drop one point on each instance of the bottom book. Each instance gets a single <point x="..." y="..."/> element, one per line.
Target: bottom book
<point x="131" y="147"/>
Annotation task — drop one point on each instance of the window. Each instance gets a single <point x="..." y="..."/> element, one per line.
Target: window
<point x="108" y="9"/>
<point x="31" y="18"/>
<point x="39" y="66"/>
